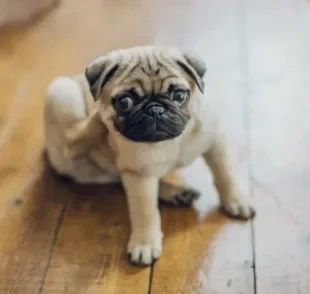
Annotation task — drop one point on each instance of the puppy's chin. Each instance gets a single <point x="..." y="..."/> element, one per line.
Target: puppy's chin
<point x="151" y="129"/>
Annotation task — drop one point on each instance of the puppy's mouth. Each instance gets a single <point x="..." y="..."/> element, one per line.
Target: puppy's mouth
<point x="154" y="125"/>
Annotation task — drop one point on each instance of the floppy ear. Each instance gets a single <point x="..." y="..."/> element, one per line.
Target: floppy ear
<point x="195" y="67"/>
<point x="98" y="73"/>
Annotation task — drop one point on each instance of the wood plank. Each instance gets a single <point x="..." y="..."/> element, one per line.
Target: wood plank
<point x="30" y="217"/>
<point x="205" y="252"/>
<point x="90" y="255"/>
<point x="279" y="46"/>
<point x="30" y="213"/>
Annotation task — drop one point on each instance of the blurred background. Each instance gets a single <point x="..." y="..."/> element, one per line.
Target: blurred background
<point x="58" y="237"/>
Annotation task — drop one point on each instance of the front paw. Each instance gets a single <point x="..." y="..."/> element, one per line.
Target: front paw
<point x="238" y="208"/>
<point x="144" y="249"/>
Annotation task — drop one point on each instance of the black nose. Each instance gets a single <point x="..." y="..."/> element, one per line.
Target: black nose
<point x="155" y="109"/>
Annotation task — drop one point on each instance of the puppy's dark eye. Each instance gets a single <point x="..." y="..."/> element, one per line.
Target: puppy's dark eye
<point x="124" y="103"/>
<point x="179" y="96"/>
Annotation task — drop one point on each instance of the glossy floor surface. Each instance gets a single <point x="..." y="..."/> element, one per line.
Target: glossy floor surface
<point x="60" y="238"/>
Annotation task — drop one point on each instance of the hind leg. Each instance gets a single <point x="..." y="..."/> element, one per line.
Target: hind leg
<point x="64" y="103"/>
<point x="65" y="108"/>
<point x="174" y="191"/>
<point x="177" y="195"/>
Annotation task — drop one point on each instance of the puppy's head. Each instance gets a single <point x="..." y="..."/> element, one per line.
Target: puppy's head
<point x="146" y="91"/>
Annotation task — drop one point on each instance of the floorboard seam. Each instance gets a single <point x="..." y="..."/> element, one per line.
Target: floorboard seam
<point x="245" y="73"/>
<point x="152" y="270"/>
<point x="149" y="291"/>
<point x="55" y="237"/>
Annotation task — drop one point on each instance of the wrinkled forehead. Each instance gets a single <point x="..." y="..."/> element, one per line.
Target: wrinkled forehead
<point x="148" y="73"/>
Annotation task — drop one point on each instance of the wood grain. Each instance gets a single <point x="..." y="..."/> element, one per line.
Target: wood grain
<point x="30" y="210"/>
<point x="279" y="61"/>
<point x="90" y="256"/>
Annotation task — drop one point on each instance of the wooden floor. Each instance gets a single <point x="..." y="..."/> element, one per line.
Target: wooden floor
<point x="60" y="238"/>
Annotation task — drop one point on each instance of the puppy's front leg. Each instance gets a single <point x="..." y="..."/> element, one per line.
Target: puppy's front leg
<point x="145" y="244"/>
<point x="218" y="161"/>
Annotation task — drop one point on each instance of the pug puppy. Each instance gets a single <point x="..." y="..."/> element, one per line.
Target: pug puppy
<point x="136" y="115"/>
